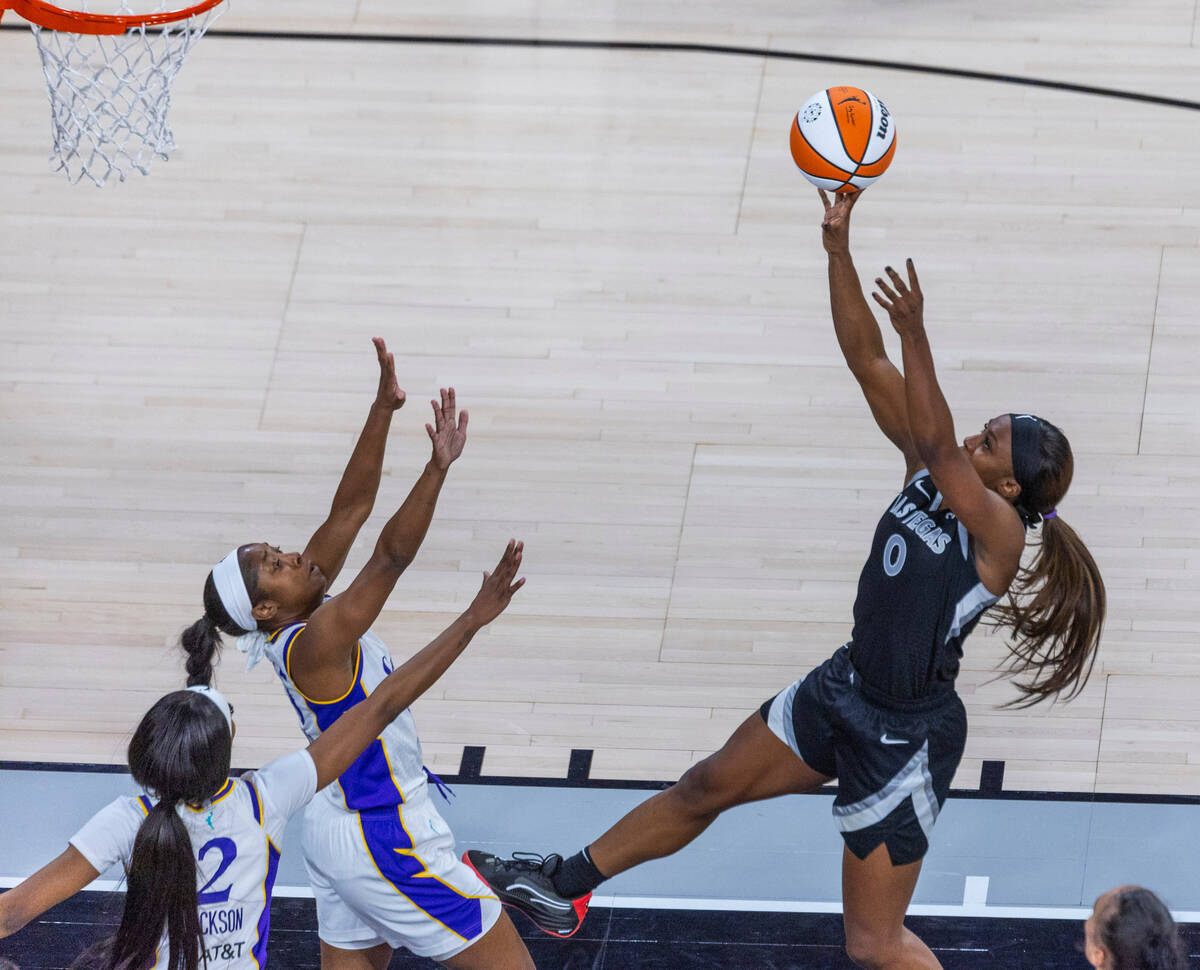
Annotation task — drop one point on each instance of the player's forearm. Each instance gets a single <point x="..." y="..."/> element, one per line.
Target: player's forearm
<point x="929" y="417"/>
<point x="340" y="744"/>
<point x="857" y="331"/>
<point x="360" y="481"/>
<point x="423" y="669"/>
<point x="405" y="531"/>
<point x="11" y="918"/>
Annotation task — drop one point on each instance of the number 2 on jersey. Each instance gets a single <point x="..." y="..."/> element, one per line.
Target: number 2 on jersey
<point x="894" y="553"/>
<point x="228" y="850"/>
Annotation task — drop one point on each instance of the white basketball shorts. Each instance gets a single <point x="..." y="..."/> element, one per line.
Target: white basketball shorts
<point x="393" y="876"/>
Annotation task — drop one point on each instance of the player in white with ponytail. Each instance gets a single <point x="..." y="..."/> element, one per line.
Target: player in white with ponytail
<point x="201" y="849"/>
<point x="380" y="858"/>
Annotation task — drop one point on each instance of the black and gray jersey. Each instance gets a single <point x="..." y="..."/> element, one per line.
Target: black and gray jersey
<point x="919" y="595"/>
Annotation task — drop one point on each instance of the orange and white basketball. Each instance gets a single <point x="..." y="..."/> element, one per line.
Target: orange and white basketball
<point x="843" y="139"/>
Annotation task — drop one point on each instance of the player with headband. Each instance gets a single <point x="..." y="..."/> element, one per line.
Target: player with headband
<point x="379" y="856"/>
<point x="882" y="715"/>
<point x="200" y="849"/>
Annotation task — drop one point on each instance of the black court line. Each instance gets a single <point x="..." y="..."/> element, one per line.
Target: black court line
<point x="577" y="777"/>
<point x="470" y="764"/>
<point x="580" y="767"/>
<point x="991" y="777"/>
<point x="690" y="48"/>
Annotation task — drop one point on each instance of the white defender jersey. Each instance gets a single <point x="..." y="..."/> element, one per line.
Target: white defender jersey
<point x="390" y="771"/>
<point x="235" y="839"/>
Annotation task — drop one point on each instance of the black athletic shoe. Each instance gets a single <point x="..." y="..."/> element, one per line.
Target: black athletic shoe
<point x="524" y="882"/>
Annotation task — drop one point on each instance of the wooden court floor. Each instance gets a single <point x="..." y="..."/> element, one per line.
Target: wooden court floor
<point x="611" y="257"/>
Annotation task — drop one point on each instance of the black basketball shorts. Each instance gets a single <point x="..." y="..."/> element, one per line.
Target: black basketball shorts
<point x="893" y="763"/>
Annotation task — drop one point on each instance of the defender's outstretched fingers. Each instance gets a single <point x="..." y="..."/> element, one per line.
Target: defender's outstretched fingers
<point x="913" y="282"/>
<point x="886" y="290"/>
<point x="444" y="409"/>
<point x="896" y="280"/>
<point x="439" y="413"/>
<point x="512" y="560"/>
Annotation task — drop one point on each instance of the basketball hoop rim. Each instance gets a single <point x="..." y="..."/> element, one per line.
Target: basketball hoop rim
<point x="78" y="22"/>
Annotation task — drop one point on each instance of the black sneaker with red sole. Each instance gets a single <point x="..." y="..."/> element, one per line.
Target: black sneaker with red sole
<point x="525" y="882"/>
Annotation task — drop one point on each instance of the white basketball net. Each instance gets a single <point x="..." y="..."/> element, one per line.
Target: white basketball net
<point x="109" y="94"/>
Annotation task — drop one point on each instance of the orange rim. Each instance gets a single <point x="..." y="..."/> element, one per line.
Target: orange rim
<point x="77" y="22"/>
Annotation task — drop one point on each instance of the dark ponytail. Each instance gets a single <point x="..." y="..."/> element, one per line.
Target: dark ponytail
<point x="161" y="891"/>
<point x="1140" y="933"/>
<point x="202" y="640"/>
<point x="179" y="752"/>
<point x="1056" y="605"/>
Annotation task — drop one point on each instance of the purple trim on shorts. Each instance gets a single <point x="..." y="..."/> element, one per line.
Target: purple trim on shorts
<point x="389" y="845"/>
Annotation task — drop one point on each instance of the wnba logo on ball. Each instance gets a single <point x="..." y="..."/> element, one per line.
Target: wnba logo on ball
<point x="846" y="147"/>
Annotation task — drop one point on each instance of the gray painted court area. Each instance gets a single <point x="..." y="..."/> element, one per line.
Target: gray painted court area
<point x="1033" y="853"/>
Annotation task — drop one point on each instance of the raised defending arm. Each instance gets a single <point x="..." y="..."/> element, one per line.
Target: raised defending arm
<point x="337" y="748"/>
<point x="355" y="496"/>
<point x="320" y="659"/>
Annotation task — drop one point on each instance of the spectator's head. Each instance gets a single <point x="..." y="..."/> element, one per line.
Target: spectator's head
<point x="1131" y="929"/>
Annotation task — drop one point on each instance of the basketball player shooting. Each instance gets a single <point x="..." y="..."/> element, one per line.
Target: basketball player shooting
<point x="881" y="715"/>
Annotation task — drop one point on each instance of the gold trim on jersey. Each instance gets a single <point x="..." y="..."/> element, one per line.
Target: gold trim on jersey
<point x="287" y="669"/>
<point x="222" y="792"/>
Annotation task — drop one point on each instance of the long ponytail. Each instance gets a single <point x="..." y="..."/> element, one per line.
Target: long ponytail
<point x="161" y="892"/>
<point x="1055" y="607"/>
<point x="180" y="752"/>
<point x="1055" y="610"/>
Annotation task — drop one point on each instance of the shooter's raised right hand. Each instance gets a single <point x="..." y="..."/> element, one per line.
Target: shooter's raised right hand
<point x="835" y="226"/>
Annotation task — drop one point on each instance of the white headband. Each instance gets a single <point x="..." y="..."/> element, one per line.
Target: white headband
<point x="217" y="698"/>
<point x="231" y="588"/>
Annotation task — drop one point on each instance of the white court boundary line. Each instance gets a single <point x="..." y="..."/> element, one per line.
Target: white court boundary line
<point x="974" y="903"/>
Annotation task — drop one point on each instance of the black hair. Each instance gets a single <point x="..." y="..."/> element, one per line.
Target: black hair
<point x="1046" y="473"/>
<point x="179" y="753"/>
<point x="202" y="640"/>
<point x="1140" y="934"/>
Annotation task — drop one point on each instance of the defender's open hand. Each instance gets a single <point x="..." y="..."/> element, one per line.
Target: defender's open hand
<point x="498" y="586"/>
<point x="905" y="304"/>
<point x="448" y="437"/>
